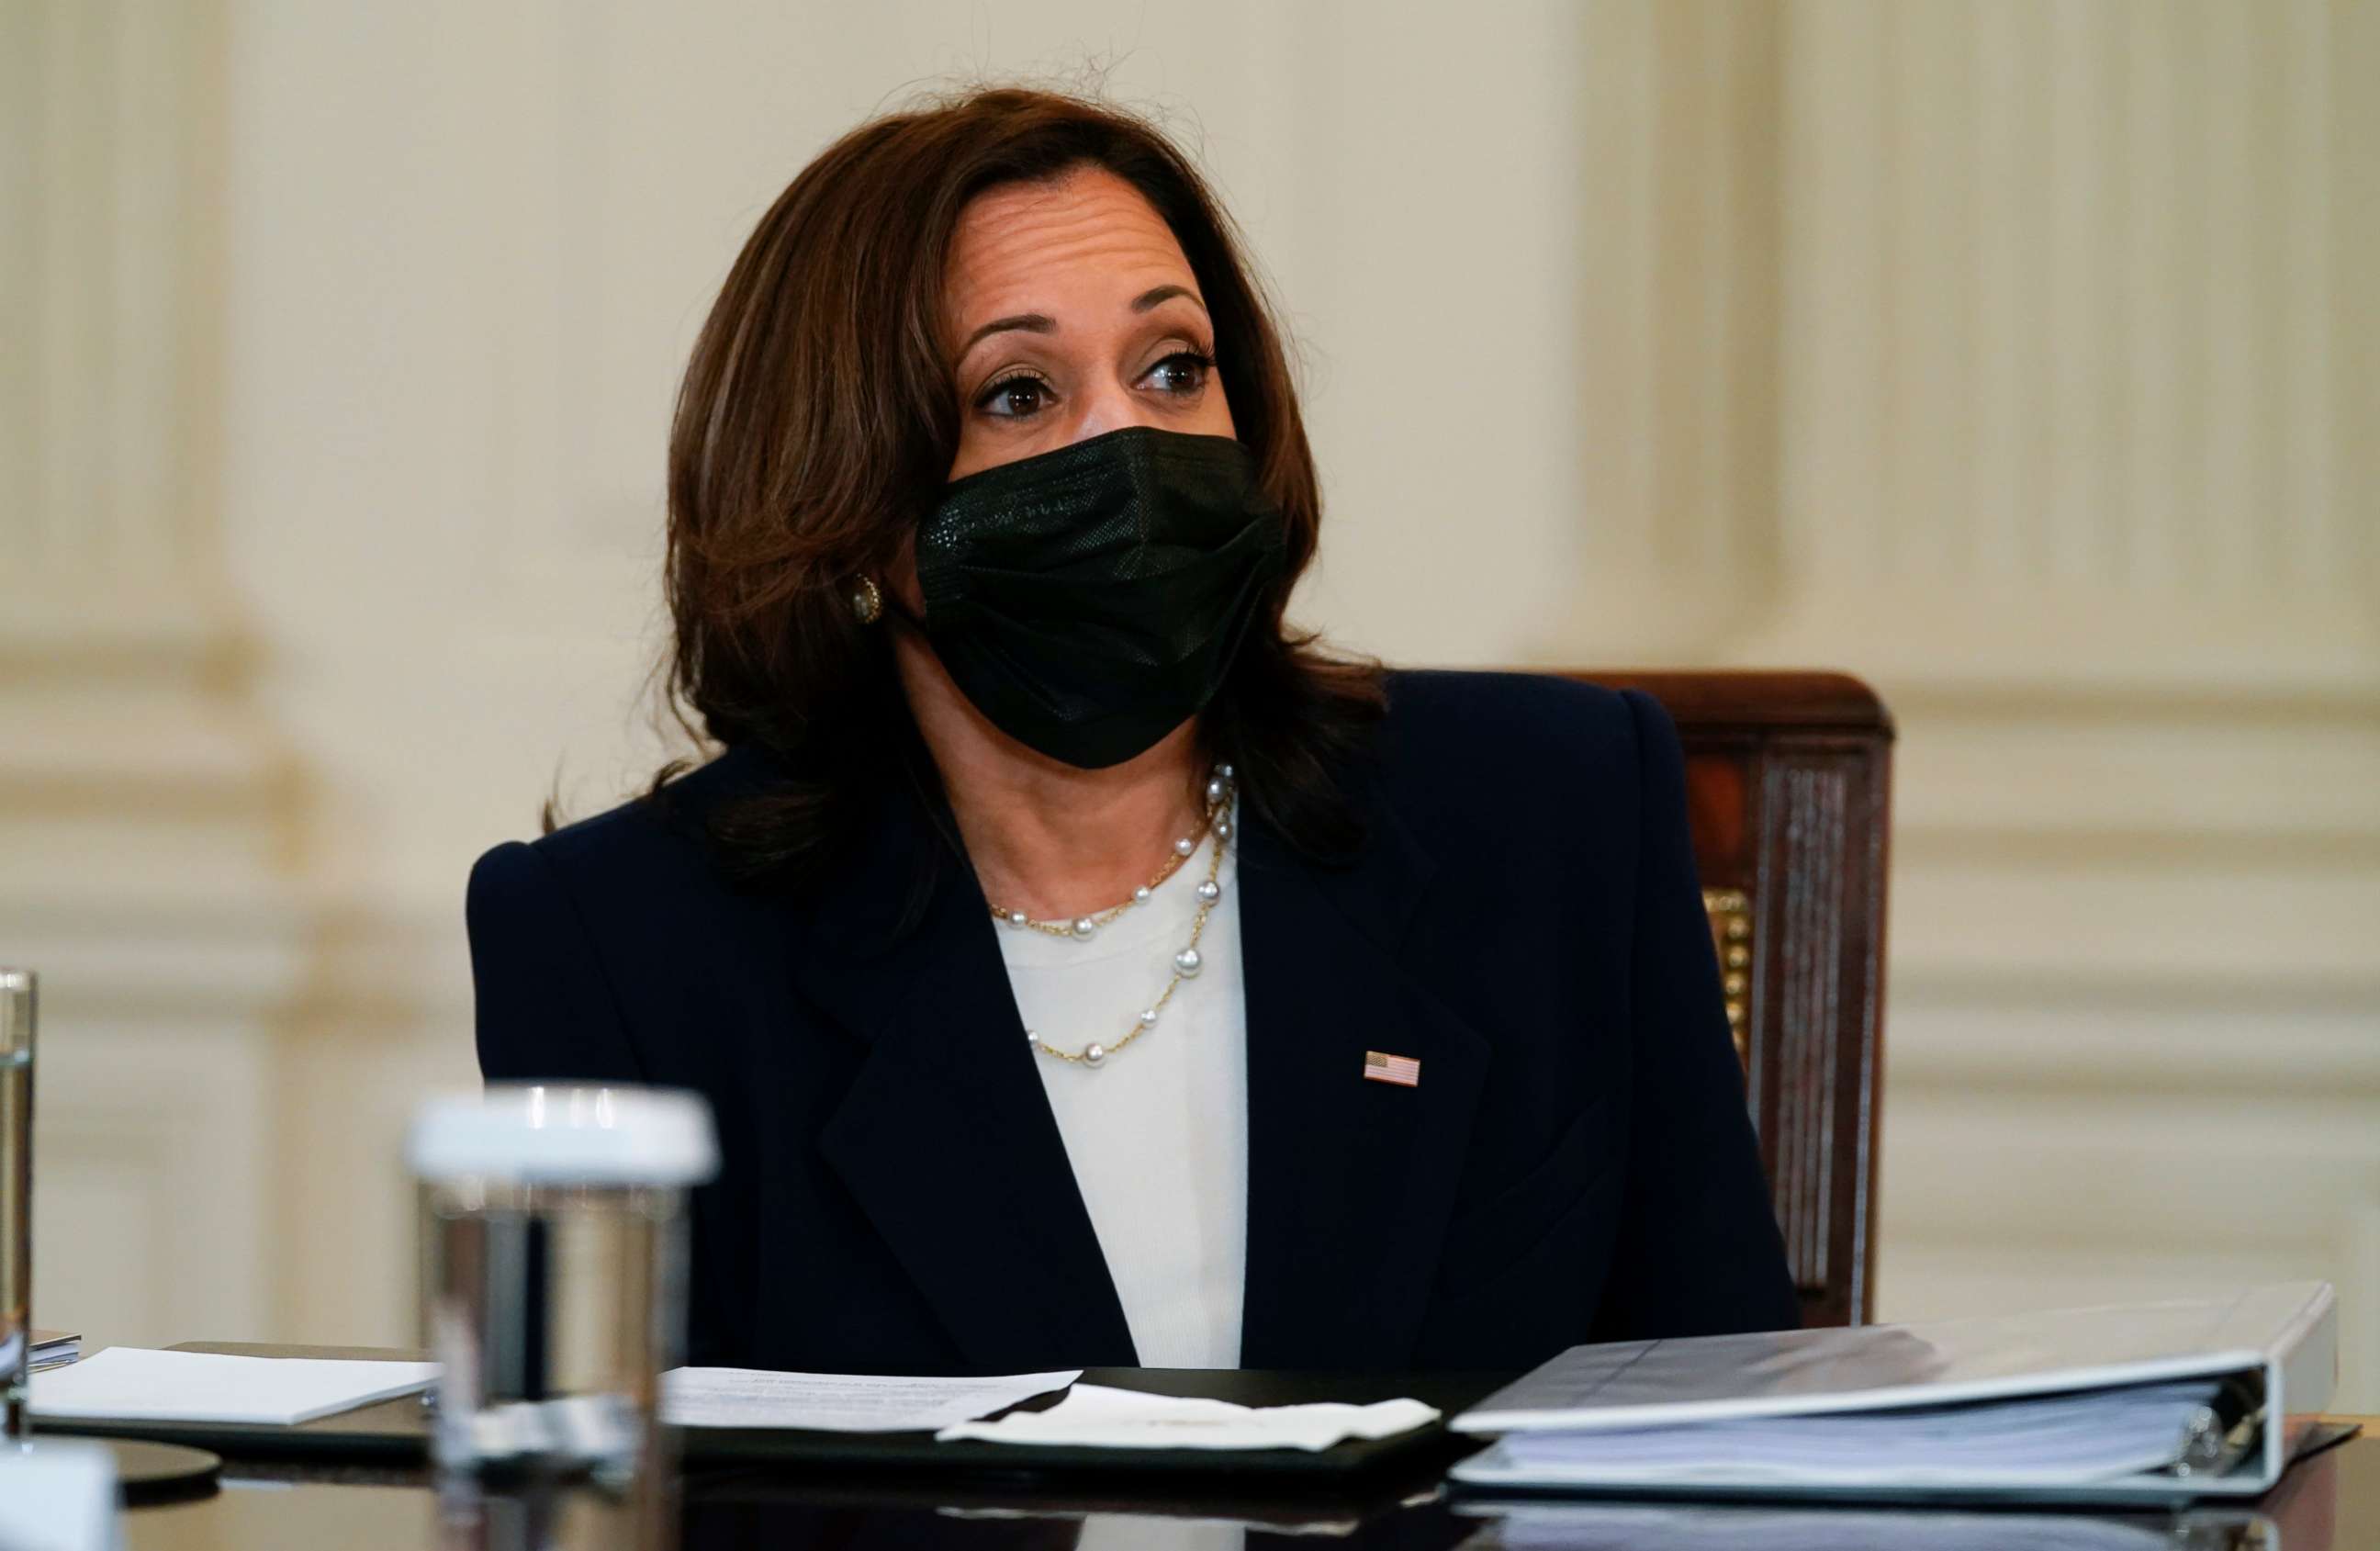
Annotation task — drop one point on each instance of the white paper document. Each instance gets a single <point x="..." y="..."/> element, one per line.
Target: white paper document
<point x="1095" y="1416"/>
<point x="130" y="1384"/>
<point x="840" y="1402"/>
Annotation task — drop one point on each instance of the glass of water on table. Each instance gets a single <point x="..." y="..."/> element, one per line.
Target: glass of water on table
<point x="16" y="1011"/>
<point x="553" y="1261"/>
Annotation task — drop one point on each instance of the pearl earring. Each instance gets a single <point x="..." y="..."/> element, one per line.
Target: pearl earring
<point x="868" y="601"/>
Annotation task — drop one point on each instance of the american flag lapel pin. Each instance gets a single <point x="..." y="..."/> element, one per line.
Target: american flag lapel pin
<point x="1381" y="1067"/>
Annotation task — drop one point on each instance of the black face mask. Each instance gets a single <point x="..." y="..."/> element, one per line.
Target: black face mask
<point x="1088" y="599"/>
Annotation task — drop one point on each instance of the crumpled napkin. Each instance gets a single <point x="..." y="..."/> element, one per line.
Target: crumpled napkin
<point x="1095" y="1416"/>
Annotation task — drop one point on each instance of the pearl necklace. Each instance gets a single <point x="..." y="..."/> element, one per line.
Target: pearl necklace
<point x="1219" y="806"/>
<point x="1186" y="963"/>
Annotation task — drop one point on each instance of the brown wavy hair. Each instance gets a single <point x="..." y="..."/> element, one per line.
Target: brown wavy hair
<point x="816" y="427"/>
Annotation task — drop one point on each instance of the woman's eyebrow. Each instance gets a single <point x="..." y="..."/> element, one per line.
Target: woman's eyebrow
<point x="1155" y="295"/>
<point x="1029" y="322"/>
<point x="1041" y="323"/>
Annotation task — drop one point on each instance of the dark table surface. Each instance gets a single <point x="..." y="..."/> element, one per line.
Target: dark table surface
<point x="2329" y="1503"/>
<point x="367" y="1501"/>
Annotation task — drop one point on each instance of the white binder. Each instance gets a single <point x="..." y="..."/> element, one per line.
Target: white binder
<point x="2277" y="1345"/>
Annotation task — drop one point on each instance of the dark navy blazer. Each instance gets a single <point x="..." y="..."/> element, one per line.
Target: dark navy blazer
<point x="1575" y="1162"/>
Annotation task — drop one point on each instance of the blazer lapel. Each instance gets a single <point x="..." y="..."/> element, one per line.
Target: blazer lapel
<point x="945" y="1137"/>
<point x="946" y="1141"/>
<point x="1351" y="1181"/>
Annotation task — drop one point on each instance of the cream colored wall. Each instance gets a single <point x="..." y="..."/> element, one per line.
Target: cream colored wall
<point x="2018" y="357"/>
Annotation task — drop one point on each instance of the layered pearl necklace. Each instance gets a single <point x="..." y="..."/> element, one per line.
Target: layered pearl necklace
<point x="1186" y="963"/>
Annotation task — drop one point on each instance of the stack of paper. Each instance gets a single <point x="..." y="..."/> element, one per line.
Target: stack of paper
<point x="55" y="1349"/>
<point x="840" y="1402"/>
<point x="1095" y="1416"/>
<point x="129" y="1383"/>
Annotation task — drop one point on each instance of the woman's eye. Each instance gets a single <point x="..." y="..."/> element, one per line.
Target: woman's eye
<point x="1015" y="397"/>
<point x="1185" y="371"/>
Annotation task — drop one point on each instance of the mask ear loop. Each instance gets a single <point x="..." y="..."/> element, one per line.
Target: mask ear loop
<point x="897" y="615"/>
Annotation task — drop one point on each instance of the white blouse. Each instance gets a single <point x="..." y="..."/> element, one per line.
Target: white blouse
<point x="1159" y="1133"/>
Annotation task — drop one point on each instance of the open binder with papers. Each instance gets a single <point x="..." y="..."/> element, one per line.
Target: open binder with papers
<point x="2152" y="1404"/>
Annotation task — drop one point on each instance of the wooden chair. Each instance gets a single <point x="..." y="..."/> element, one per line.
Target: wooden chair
<point x="1788" y="787"/>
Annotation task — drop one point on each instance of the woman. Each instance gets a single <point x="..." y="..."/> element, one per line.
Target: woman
<point x="1087" y="969"/>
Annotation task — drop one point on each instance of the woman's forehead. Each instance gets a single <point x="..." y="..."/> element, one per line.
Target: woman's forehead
<point x="1087" y="240"/>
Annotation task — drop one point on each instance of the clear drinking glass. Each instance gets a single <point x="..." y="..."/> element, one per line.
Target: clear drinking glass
<point x="17" y="989"/>
<point x="554" y="1260"/>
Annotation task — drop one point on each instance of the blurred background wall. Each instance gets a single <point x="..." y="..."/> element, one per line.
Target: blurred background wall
<point x="2022" y="358"/>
